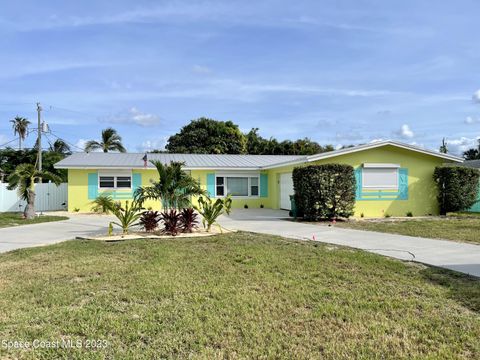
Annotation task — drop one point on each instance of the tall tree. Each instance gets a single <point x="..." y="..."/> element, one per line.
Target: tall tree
<point x="23" y="179"/>
<point x="473" y="154"/>
<point x="443" y="148"/>
<point x="61" y="147"/>
<point x="20" y="128"/>
<point x="111" y="141"/>
<point x="207" y="136"/>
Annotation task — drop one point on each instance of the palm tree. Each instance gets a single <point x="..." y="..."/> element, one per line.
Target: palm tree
<point x="61" y="147"/>
<point x="23" y="179"/>
<point x="20" y="127"/>
<point x="111" y="141"/>
<point x="174" y="188"/>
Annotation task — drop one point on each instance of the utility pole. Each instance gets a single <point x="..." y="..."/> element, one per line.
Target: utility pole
<point x="39" y="138"/>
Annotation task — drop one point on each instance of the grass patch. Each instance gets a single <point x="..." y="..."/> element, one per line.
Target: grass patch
<point x="462" y="228"/>
<point x="236" y="295"/>
<point x="15" y="219"/>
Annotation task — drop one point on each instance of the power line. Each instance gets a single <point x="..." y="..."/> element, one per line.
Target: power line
<point x="69" y="143"/>
<point x="8" y="142"/>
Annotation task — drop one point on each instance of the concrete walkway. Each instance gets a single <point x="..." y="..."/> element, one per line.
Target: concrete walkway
<point x="457" y="256"/>
<point x="23" y="236"/>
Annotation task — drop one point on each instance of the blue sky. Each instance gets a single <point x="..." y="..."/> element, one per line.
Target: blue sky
<point x="339" y="72"/>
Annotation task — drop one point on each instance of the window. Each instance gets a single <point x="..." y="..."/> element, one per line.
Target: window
<point x="220" y="186"/>
<point x="115" y="180"/>
<point x="380" y="177"/>
<point x="237" y="186"/>
<point x="254" y="186"/>
<point x="107" y="182"/>
<point x="124" y="182"/>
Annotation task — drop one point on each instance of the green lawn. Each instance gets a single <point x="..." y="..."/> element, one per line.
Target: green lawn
<point x="459" y="228"/>
<point x="235" y="295"/>
<point x="15" y="219"/>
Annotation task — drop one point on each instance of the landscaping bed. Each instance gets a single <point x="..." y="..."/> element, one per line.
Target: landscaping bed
<point x="16" y="219"/>
<point x="459" y="227"/>
<point x="237" y="295"/>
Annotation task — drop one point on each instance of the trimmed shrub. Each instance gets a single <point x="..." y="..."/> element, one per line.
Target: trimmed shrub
<point x="457" y="187"/>
<point x="324" y="191"/>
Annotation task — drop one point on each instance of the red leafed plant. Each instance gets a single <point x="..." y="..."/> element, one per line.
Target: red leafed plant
<point x="188" y="220"/>
<point x="171" y="222"/>
<point x="149" y="220"/>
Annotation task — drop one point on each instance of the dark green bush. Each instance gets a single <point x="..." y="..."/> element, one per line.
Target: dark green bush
<point x="457" y="187"/>
<point x="324" y="191"/>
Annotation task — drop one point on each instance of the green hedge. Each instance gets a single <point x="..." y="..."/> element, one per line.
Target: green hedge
<point x="457" y="187"/>
<point x="324" y="191"/>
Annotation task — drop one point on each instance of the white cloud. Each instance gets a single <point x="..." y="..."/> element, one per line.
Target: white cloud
<point x="133" y="116"/>
<point x="405" y="132"/>
<point x="471" y="120"/>
<point x="200" y="69"/>
<point x="476" y="96"/>
<point x="80" y="144"/>
<point x="149" y="145"/>
<point x="459" y="145"/>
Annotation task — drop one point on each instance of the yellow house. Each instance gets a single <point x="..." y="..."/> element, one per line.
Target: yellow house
<point x="392" y="177"/>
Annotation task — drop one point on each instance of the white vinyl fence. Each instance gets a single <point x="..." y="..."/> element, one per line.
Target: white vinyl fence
<point x="49" y="198"/>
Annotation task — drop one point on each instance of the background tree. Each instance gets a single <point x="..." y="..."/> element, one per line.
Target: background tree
<point x="443" y="148"/>
<point x="20" y="128"/>
<point x="473" y="154"/>
<point x="61" y="147"/>
<point x="23" y="180"/>
<point x="207" y="136"/>
<point x="111" y="141"/>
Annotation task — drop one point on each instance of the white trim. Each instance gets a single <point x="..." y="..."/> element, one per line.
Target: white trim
<point x="381" y="186"/>
<point x="238" y="175"/>
<point x="380" y="166"/>
<point x="115" y="175"/>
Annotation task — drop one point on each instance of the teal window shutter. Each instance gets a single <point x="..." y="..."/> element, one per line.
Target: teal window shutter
<point x="358" y="181"/>
<point x="136" y="182"/>
<point x="402" y="184"/>
<point x="92" y="186"/>
<point x="263" y="185"/>
<point x="211" y="184"/>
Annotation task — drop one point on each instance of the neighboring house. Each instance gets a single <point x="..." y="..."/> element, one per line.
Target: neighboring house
<point x="474" y="164"/>
<point x="392" y="177"/>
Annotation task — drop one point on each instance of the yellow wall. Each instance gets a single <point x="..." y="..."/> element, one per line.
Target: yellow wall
<point x="421" y="187"/>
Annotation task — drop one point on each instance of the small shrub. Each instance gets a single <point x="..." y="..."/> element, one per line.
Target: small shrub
<point x="457" y="187"/>
<point x="245" y="206"/>
<point x="127" y="216"/>
<point x="149" y="220"/>
<point x="261" y="206"/>
<point x="211" y="210"/>
<point x="102" y="204"/>
<point x="171" y="222"/>
<point x="188" y="220"/>
<point x="387" y="215"/>
<point x="76" y="209"/>
<point x="362" y="215"/>
<point x="409" y="214"/>
<point x="324" y="191"/>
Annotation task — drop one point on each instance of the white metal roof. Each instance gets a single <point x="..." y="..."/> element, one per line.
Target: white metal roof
<point x="99" y="160"/>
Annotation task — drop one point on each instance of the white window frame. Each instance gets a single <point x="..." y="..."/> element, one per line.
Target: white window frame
<point x="380" y="166"/>
<point x="115" y="174"/>
<point x="238" y="175"/>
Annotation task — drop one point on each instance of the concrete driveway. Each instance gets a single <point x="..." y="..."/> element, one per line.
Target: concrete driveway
<point x="457" y="256"/>
<point x="23" y="236"/>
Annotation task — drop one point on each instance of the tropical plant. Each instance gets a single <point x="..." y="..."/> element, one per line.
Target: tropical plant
<point x="444" y="147"/>
<point x="61" y="147"/>
<point x="149" y="220"/>
<point x="211" y="210"/>
<point x="102" y="204"/>
<point x="23" y="179"/>
<point x="111" y="141"/>
<point x="127" y="216"/>
<point x="20" y="128"/>
<point x="473" y="153"/>
<point x="174" y="188"/>
<point x="188" y="220"/>
<point x="171" y="222"/>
